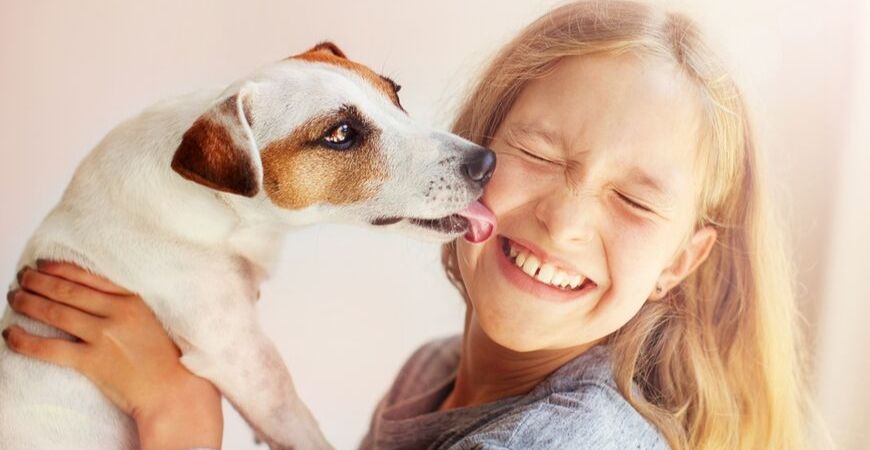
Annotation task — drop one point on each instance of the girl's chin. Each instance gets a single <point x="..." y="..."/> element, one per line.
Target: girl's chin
<point x="529" y="333"/>
<point x="507" y="333"/>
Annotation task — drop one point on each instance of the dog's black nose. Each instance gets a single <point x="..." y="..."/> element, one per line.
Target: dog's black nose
<point x="480" y="165"/>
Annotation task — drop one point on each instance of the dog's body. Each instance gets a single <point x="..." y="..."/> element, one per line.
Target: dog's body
<point x="197" y="251"/>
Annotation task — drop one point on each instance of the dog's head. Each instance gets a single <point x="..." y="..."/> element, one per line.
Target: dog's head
<point x="326" y="138"/>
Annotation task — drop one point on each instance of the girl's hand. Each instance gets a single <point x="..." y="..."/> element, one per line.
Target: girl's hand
<point x="123" y="349"/>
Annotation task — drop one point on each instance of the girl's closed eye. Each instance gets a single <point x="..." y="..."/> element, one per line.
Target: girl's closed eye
<point x="633" y="203"/>
<point x="535" y="156"/>
<point x="531" y="152"/>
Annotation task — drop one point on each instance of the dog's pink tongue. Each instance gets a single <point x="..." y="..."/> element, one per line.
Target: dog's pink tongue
<point x="481" y="222"/>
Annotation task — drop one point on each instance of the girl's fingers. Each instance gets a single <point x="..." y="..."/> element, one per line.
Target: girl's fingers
<point x="81" y="276"/>
<point x="55" y="351"/>
<point x="73" y="294"/>
<point x="71" y="320"/>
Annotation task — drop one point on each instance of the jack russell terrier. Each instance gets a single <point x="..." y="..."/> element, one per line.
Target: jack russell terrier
<point x="186" y="205"/>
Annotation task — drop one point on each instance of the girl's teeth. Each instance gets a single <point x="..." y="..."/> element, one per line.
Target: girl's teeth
<point x="531" y="264"/>
<point x="574" y="281"/>
<point x="546" y="273"/>
<point x="557" y="278"/>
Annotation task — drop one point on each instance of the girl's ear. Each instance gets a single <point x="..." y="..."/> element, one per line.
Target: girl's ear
<point x="693" y="253"/>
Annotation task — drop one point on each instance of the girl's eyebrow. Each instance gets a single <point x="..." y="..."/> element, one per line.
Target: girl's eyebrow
<point x="639" y="177"/>
<point x="534" y="131"/>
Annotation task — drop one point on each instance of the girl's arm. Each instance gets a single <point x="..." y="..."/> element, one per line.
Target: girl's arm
<point x="122" y="348"/>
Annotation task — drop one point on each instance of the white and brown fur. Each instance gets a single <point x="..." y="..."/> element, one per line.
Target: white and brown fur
<point x="197" y="246"/>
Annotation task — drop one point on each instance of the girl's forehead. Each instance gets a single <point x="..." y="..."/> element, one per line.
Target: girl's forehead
<point x="630" y="115"/>
<point x="643" y="106"/>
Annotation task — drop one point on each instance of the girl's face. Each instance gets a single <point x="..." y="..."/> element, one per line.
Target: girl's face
<point x="595" y="195"/>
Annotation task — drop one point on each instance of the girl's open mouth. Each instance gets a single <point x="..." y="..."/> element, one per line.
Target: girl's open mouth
<point x="528" y="271"/>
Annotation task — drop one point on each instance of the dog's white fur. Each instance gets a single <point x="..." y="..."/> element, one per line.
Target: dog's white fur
<point x="197" y="255"/>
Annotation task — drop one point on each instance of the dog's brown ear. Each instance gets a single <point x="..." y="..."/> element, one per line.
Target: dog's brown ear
<point x="219" y="151"/>
<point x="327" y="47"/>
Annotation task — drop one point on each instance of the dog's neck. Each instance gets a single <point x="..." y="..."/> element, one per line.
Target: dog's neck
<point x="250" y="231"/>
<point x="257" y="236"/>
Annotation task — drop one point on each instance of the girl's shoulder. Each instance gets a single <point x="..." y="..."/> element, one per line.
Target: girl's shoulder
<point x="577" y="407"/>
<point x="591" y="416"/>
<point x="429" y="366"/>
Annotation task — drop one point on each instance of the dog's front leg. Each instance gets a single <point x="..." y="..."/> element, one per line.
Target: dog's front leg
<point x="245" y="365"/>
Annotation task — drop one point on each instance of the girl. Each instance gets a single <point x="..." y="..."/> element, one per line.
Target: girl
<point x="634" y="294"/>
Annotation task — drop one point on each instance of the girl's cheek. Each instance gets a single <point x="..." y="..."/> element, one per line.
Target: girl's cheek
<point x="635" y="260"/>
<point x="512" y="185"/>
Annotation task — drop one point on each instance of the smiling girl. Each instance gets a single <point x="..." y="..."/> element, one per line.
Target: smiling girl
<point x="634" y="293"/>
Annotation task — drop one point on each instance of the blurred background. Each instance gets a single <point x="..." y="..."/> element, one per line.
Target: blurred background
<point x="347" y="306"/>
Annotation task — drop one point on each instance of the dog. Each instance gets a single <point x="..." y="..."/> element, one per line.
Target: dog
<point x="186" y="204"/>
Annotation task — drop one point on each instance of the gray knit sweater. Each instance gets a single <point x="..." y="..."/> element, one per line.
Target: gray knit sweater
<point x="577" y="407"/>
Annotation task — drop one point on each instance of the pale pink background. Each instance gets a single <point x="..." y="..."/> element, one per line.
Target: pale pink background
<point x="347" y="306"/>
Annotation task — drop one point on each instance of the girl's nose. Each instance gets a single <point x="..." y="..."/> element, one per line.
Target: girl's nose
<point x="568" y="217"/>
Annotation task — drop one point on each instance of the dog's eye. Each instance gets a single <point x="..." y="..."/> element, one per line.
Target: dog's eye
<point x="340" y="137"/>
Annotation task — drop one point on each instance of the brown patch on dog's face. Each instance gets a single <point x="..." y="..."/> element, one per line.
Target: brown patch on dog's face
<point x="329" y="53"/>
<point x="299" y="171"/>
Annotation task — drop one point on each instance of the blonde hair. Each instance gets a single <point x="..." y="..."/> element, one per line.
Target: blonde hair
<point x="717" y="360"/>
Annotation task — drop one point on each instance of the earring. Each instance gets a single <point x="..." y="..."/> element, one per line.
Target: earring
<point x="659" y="289"/>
